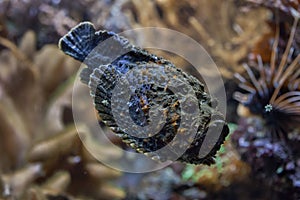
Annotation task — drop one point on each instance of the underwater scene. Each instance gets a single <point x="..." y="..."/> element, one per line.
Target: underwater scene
<point x="149" y="99"/>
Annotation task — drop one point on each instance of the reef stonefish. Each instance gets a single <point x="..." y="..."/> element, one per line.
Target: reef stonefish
<point x="151" y="109"/>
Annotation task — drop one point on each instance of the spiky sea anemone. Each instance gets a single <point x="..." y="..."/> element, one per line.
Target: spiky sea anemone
<point x="272" y="90"/>
<point x="268" y="139"/>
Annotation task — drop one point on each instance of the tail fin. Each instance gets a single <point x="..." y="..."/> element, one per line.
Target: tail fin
<point x="81" y="40"/>
<point x="85" y="44"/>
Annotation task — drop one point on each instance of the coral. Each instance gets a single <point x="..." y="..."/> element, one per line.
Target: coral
<point x="44" y="157"/>
<point x="165" y="184"/>
<point x="51" y="19"/>
<point x="285" y="6"/>
<point x="198" y="19"/>
<point x="274" y="163"/>
<point x="229" y="169"/>
<point x="27" y="89"/>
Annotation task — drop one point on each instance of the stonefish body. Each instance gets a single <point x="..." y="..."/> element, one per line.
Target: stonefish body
<point x="110" y="57"/>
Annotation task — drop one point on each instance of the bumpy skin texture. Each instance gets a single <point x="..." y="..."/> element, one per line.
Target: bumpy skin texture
<point x="109" y="61"/>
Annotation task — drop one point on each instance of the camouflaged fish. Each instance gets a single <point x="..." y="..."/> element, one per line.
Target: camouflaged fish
<point x="108" y="58"/>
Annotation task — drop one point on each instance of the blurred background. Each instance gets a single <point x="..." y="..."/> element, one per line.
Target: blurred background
<point x="42" y="156"/>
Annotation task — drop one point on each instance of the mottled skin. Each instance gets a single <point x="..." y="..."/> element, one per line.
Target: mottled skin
<point x="103" y="72"/>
